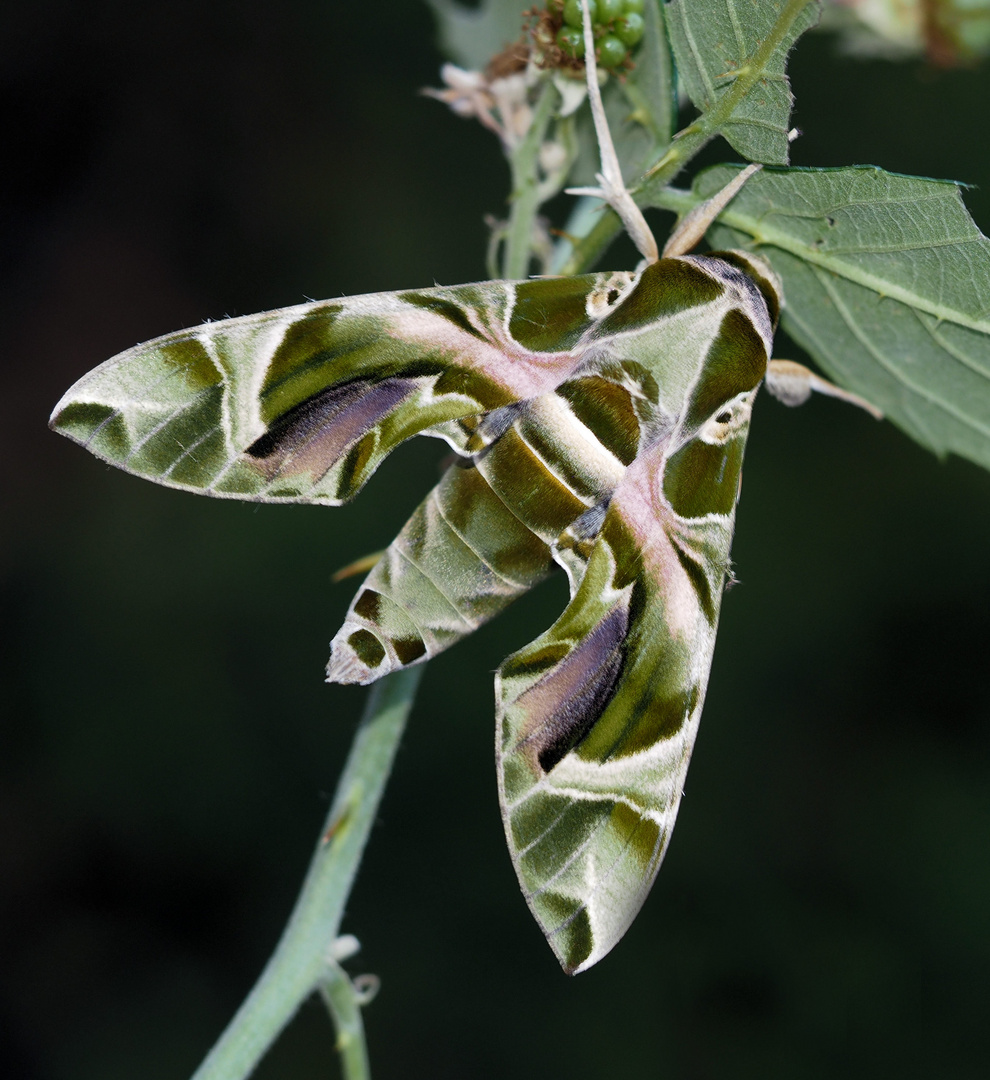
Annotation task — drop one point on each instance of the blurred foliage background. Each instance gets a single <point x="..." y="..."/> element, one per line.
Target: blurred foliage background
<point x="169" y="747"/>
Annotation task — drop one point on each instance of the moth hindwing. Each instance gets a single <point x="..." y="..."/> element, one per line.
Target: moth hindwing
<point x="599" y="422"/>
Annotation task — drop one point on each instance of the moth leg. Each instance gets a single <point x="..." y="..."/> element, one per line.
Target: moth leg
<point x="359" y="566"/>
<point x="792" y="383"/>
<point x="612" y="187"/>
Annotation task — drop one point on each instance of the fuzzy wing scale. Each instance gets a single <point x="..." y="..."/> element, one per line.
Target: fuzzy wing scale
<point x="302" y="404"/>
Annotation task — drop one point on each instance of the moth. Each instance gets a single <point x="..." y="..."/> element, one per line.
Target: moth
<point x="599" y="424"/>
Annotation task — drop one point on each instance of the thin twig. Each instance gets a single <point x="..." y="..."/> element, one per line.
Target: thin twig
<point x="612" y="187"/>
<point x="303" y="960"/>
<point x="344" y="1004"/>
<point x="524" y="161"/>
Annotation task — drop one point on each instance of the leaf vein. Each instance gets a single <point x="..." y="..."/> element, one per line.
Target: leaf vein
<point x="895" y="372"/>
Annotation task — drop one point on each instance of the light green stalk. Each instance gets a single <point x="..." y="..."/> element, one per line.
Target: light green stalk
<point x="526" y="187"/>
<point x="303" y="962"/>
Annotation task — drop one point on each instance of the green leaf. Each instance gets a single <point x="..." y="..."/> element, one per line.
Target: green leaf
<point x="886" y="284"/>
<point x="731" y="56"/>
<point x="472" y="36"/>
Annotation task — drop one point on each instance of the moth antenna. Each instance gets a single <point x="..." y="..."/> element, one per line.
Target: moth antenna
<point x="695" y="223"/>
<point x="793" y="383"/>
<point x="612" y="187"/>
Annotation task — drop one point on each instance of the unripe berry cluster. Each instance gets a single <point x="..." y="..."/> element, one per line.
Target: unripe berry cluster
<point x="616" y="24"/>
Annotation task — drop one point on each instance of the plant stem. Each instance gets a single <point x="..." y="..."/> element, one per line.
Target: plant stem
<point x="679" y="200"/>
<point x="525" y="187"/>
<point x="688" y="142"/>
<point x="341" y="999"/>
<point x="303" y="961"/>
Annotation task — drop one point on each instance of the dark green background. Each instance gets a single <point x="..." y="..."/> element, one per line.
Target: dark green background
<point x="169" y="746"/>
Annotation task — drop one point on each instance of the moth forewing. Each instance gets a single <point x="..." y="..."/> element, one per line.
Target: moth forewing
<point x="597" y="717"/>
<point x="302" y="404"/>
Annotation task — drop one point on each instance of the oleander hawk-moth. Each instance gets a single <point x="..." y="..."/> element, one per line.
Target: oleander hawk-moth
<point x="599" y="423"/>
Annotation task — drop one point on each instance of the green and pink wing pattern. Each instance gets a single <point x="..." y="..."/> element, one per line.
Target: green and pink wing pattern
<point x="599" y="424"/>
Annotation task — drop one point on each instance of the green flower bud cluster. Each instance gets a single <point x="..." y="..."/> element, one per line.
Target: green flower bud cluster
<point x="616" y="24"/>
